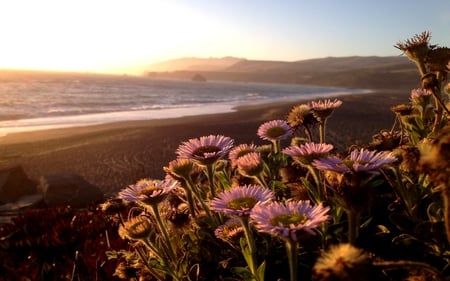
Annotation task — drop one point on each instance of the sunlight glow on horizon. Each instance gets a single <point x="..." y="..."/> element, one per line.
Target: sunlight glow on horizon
<point x="78" y="37"/>
<point x="127" y="36"/>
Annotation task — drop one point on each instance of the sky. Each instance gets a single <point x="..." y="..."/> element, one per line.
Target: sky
<point x="126" y="36"/>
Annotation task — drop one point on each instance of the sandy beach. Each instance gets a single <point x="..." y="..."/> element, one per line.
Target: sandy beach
<point x="114" y="155"/>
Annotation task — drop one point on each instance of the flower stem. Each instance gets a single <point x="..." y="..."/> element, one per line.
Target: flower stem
<point x="319" y="193"/>
<point x="421" y="67"/>
<point x="210" y="175"/>
<point x="164" y="232"/>
<point x="322" y="124"/>
<point x="276" y="147"/>
<point x="252" y="264"/>
<point x="191" y="202"/>
<point x="291" y="250"/>
<point x="260" y="179"/>
<point x="197" y="194"/>
<point x="353" y="226"/>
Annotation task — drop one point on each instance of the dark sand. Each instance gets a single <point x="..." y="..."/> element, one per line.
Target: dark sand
<point x="114" y="155"/>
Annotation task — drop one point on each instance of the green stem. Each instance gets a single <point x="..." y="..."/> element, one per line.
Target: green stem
<point x="191" y="202"/>
<point x="164" y="232"/>
<point x="276" y="147"/>
<point x="154" y="249"/>
<point x="421" y="66"/>
<point x="320" y="190"/>
<point x="251" y="244"/>
<point x="145" y="260"/>
<point x="440" y="106"/>
<point x="322" y="124"/>
<point x="260" y="179"/>
<point x="353" y="226"/>
<point x="191" y="186"/>
<point x="291" y="251"/>
<point x="210" y="175"/>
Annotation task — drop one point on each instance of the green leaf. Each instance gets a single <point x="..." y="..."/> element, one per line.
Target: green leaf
<point x="246" y="252"/>
<point x="260" y="271"/>
<point x="243" y="272"/>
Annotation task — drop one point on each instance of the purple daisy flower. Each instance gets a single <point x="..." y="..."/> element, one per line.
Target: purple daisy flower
<point x="325" y="104"/>
<point x="288" y="219"/>
<point x="275" y="130"/>
<point x="148" y="191"/>
<point x="359" y="161"/>
<point x="421" y="97"/>
<point x="239" y="200"/>
<point x="250" y="164"/>
<point x="420" y="93"/>
<point x="205" y="150"/>
<point x="239" y="151"/>
<point x="308" y="152"/>
<point x="322" y="109"/>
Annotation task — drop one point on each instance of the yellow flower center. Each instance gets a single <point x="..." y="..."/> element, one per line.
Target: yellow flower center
<point x="242" y="203"/>
<point x="276" y="132"/>
<point x="206" y="149"/>
<point x="148" y="191"/>
<point x="288" y="219"/>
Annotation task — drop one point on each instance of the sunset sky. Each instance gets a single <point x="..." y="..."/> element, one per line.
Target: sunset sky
<point x="125" y="36"/>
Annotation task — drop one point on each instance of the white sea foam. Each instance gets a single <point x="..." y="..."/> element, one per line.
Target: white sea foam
<point x="44" y="123"/>
<point x="55" y="101"/>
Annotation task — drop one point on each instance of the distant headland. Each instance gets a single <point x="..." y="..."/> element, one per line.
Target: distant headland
<point x="353" y="72"/>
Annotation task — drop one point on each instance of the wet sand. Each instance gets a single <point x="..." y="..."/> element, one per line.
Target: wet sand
<point x="114" y="155"/>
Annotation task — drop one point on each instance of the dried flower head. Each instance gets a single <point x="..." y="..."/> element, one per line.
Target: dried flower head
<point x="239" y="151"/>
<point x="409" y="156"/>
<point x="275" y="130"/>
<point x="288" y="219"/>
<point x="438" y="59"/>
<point x="417" y="47"/>
<point x="148" y="191"/>
<point x="403" y="109"/>
<point x="300" y="115"/>
<point x="323" y="109"/>
<point x="388" y="140"/>
<point x="205" y="150"/>
<point x="447" y="87"/>
<point x="240" y="200"/>
<point x="231" y="229"/>
<point x="343" y="262"/>
<point x="114" y="206"/>
<point x="181" y="169"/>
<point x="306" y="153"/>
<point x="435" y="158"/>
<point x="136" y="228"/>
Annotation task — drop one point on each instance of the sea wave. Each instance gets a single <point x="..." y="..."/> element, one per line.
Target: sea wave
<point x="73" y="100"/>
<point x="43" y="123"/>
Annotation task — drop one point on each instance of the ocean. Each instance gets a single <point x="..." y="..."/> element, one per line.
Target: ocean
<point x="39" y="100"/>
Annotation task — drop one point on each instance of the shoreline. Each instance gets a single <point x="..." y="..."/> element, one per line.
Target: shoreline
<point x="47" y="122"/>
<point x="114" y="155"/>
<point x="114" y="119"/>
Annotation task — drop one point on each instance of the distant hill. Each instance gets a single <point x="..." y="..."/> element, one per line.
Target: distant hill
<point x="205" y="64"/>
<point x="352" y="72"/>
